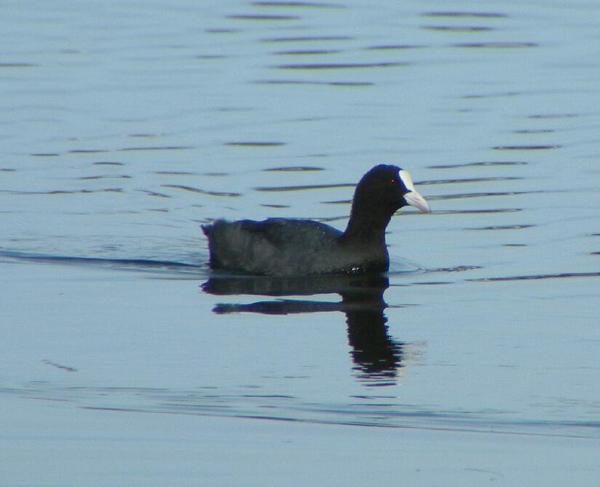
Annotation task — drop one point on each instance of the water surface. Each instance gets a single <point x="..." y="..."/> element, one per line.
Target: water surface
<point x="126" y="126"/>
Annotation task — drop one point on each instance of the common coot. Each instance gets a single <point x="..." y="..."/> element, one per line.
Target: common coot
<point x="288" y="247"/>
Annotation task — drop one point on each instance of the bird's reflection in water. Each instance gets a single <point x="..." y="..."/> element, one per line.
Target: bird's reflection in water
<point x="376" y="355"/>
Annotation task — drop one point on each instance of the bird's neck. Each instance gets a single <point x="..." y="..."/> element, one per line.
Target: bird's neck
<point x="367" y="228"/>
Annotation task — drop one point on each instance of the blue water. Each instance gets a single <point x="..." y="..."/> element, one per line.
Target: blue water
<point x="125" y="361"/>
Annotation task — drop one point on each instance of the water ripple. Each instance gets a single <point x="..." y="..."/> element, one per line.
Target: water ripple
<point x="315" y="38"/>
<point x="375" y="411"/>
<point x="495" y="45"/>
<point x="334" y="66"/>
<point x="294" y="169"/>
<point x="263" y="17"/>
<point x="254" y="143"/>
<point x="313" y="82"/>
<point x="562" y="275"/>
<point x="478" y="164"/>
<point x="18" y="65"/>
<point x="201" y="191"/>
<point x="463" y="14"/>
<point x="458" y="28"/>
<point x="287" y="3"/>
<point x="303" y="187"/>
<point x="525" y="147"/>
<point x="113" y="263"/>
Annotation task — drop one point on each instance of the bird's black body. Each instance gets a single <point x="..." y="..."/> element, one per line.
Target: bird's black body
<point x="285" y="247"/>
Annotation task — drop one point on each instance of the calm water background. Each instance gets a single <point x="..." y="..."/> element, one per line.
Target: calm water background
<point x="125" y="125"/>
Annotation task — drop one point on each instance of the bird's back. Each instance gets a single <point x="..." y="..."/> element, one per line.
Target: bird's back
<point x="275" y="246"/>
